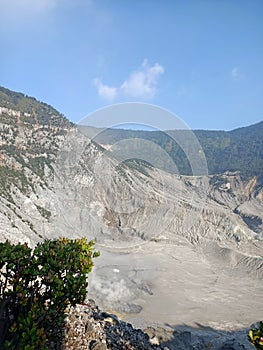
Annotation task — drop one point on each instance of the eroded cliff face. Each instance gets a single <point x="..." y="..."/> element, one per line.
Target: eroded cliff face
<point x="174" y="247"/>
<point x="55" y="181"/>
<point x="29" y="145"/>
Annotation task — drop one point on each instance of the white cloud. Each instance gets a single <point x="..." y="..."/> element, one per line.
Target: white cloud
<point x="141" y="84"/>
<point x="105" y="91"/>
<point x="236" y="74"/>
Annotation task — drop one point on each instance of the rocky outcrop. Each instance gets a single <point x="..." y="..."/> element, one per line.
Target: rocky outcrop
<point x="55" y="181"/>
<point x="87" y="327"/>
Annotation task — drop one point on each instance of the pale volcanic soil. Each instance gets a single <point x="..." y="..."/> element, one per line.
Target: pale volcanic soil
<point x="176" y="283"/>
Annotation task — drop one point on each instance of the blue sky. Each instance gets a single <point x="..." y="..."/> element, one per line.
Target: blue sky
<point x="200" y="59"/>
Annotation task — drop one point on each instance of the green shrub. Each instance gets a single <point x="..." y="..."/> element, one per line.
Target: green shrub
<point x="255" y="336"/>
<point x="37" y="285"/>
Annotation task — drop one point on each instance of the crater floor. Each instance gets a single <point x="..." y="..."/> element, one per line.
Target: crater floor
<point x="164" y="283"/>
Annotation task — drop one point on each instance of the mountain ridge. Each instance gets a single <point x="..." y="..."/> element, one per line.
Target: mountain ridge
<point x="156" y="230"/>
<point x="31" y="146"/>
<point x="236" y="150"/>
<point x="240" y="149"/>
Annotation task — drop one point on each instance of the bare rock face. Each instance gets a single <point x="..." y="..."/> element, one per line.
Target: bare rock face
<point x="87" y="327"/>
<point x="55" y="181"/>
<point x="175" y="248"/>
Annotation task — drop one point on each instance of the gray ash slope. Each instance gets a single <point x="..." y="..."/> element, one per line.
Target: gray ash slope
<point x="57" y="182"/>
<point x="48" y="167"/>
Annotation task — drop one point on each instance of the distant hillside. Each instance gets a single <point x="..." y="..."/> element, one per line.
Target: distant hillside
<point x="148" y="224"/>
<point x="238" y="150"/>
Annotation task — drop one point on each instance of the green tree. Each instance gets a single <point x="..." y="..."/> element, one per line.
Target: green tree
<point x="36" y="286"/>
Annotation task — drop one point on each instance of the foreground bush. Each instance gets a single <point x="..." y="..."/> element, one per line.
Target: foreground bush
<point x="37" y="285"/>
<point x="255" y="336"/>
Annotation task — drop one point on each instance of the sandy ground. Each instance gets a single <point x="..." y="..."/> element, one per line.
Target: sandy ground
<point x="174" y="284"/>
